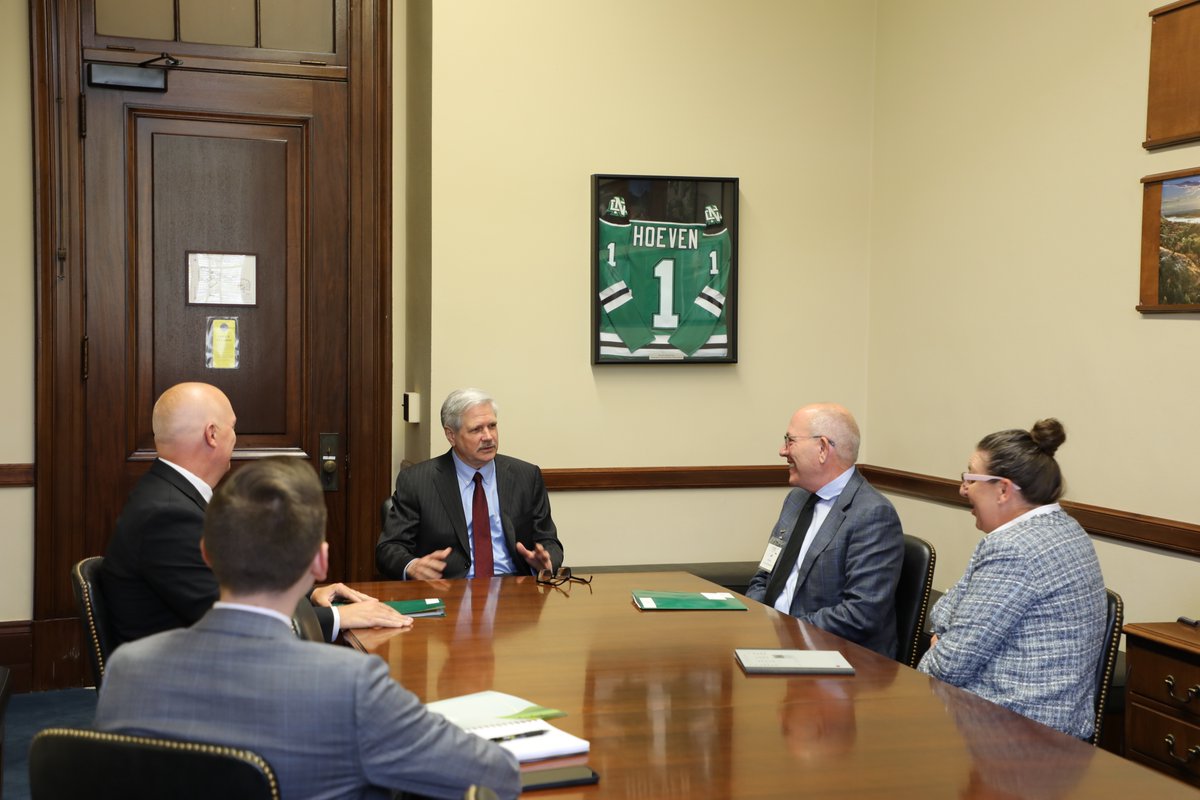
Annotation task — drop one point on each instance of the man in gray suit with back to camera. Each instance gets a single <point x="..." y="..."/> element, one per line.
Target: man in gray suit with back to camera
<point x="439" y="505"/>
<point x="834" y="556"/>
<point x="330" y="721"/>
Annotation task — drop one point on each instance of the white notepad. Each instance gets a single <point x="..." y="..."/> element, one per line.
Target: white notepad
<point x="793" y="662"/>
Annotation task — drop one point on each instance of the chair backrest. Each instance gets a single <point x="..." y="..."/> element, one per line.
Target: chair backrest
<point x="93" y="614"/>
<point x="912" y="598"/>
<point x="1108" y="656"/>
<point x="69" y="762"/>
<point x="305" y="622"/>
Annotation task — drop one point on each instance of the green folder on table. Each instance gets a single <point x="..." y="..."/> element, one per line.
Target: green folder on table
<point x="430" y="607"/>
<point x="686" y="601"/>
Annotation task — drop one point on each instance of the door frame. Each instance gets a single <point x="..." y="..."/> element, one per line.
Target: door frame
<point x="59" y="113"/>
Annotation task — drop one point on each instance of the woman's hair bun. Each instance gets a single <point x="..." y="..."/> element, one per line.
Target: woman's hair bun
<point x="1048" y="435"/>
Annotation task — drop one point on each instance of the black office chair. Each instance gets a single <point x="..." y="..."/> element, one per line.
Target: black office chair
<point x="93" y="614"/>
<point x="69" y="762"/>
<point x="305" y="622"/>
<point x="912" y="598"/>
<point x="1108" y="657"/>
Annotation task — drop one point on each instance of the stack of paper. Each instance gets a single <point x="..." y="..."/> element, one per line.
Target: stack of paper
<point x="686" y="601"/>
<point x="515" y="724"/>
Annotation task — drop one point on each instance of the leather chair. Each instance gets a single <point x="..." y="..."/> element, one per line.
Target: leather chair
<point x="305" y="622"/>
<point x="93" y="614"/>
<point x="69" y="762"/>
<point x="912" y="598"/>
<point x="1108" y="657"/>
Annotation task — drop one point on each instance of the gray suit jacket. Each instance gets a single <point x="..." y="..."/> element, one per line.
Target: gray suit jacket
<point x="848" y="578"/>
<point x="427" y="515"/>
<point x="330" y="721"/>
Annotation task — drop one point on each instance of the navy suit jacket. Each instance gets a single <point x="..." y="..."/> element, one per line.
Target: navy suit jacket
<point x="847" y="581"/>
<point x="331" y="722"/>
<point x="426" y="514"/>
<point x="153" y="577"/>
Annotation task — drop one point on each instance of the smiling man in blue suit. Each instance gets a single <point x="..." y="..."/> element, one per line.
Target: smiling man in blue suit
<point x="834" y="556"/>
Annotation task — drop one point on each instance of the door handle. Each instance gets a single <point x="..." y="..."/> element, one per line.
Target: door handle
<point x="329" y="455"/>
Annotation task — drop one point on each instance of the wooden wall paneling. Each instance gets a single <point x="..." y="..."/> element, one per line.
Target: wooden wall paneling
<point x="369" y="446"/>
<point x="1154" y="532"/>
<point x="16" y="652"/>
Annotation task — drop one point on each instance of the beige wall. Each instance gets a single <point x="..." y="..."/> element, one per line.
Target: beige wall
<point x="939" y="220"/>
<point x="17" y="317"/>
<point x="1004" y="268"/>
<point x="779" y="95"/>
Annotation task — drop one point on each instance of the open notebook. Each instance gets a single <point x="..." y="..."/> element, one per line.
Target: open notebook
<point x="515" y="724"/>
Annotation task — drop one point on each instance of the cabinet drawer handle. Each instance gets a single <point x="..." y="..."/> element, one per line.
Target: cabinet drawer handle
<point x="1192" y="754"/>
<point x="1191" y="692"/>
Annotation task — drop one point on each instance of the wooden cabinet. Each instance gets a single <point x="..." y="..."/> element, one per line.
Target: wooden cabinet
<point x="1162" y="696"/>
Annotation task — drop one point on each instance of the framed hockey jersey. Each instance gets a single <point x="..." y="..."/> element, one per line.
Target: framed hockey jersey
<point x="664" y="269"/>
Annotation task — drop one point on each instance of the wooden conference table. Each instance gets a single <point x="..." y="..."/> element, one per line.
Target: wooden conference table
<point x="670" y="714"/>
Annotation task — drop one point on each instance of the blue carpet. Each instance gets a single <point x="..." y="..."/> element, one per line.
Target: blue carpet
<point x="28" y="714"/>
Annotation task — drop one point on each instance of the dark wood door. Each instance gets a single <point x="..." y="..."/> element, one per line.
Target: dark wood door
<point x="270" y="158"/>
<point x="220" y="165"/>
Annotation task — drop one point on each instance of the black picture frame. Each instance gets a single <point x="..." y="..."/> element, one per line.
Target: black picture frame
<point x="664" y="265"/>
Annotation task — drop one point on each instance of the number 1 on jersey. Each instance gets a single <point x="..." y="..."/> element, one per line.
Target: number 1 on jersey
<point x="665" y="272"/>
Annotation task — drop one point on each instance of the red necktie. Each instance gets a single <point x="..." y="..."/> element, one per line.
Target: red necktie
<point x="481" y="531"/>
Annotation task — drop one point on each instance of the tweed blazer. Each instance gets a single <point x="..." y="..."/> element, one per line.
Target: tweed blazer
<point x="1024" y="625"/>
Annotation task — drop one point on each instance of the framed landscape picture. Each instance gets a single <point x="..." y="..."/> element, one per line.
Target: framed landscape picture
<point x="664" y="270"/>
<point x="1170" y="268"/>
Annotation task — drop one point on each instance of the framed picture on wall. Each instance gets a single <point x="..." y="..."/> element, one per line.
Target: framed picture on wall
<point x="664" y="270"/>
<point x="1170" y="264"/>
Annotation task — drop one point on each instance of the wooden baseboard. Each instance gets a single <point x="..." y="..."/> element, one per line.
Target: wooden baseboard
<point x="16" y="652"/>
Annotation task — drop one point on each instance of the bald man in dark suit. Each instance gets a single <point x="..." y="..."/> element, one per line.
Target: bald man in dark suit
<point x="153" y="577"/>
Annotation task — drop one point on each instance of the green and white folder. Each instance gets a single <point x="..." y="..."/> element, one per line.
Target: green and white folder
<point x="429" y="607"/>
<point x="686" y="601"/>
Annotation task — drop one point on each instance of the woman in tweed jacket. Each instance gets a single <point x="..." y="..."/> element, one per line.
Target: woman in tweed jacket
<point x="1024" y="625"/>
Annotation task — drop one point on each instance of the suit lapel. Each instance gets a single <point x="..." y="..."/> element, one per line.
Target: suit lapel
<point x="447" y="489"/>
<point x="830" y="526"/>
<point x="504" y="491"/>
<point x="172" y="476"/>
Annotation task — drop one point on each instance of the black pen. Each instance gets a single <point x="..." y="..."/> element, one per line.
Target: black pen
<point x="512" y="736"/>
<point x="1189" y="621"/>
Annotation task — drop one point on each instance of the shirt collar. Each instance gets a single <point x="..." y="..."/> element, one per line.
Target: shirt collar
<point x="831" y="490"/>
<point x="1033" y="512"/>
<point x="203" y="488"/>
<point x="466" y="473"/>
<point x="266" y="612"/>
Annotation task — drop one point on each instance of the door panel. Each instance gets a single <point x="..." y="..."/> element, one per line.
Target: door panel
<point x="218" y="164"/>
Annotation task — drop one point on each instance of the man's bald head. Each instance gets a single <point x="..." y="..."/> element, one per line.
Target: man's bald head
<point x="194" y="428"/>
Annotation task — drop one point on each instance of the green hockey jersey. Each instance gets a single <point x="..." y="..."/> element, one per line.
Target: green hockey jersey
<point x="662" y="290"/>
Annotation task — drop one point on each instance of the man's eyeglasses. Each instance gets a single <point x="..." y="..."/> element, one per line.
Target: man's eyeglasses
<point x="971" y="477"/>
<point x="789" y="440"/>
<point x="560" y="576"/>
